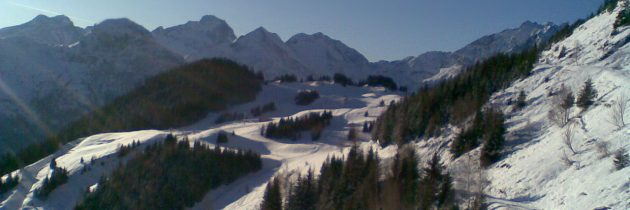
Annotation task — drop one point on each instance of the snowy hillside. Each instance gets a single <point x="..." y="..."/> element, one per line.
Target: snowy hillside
<point x="348" y="105"/>
<point x="59" y="71"/>
<point x="53" y="72"/>
<point x="538" y="170"/>
<point x="594" y="51"/>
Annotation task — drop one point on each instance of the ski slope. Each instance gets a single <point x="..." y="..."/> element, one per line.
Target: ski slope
<point x="348" y="105"/>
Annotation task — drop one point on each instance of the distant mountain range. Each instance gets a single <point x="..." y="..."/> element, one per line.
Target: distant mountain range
<point x="52" y="72"/>
<point x="318" y="54"/>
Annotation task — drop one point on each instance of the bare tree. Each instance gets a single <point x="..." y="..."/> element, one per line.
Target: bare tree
<point x="568" y="138"/>
<point x="618" y="110"/>
<point x="557" y="116"/>
<point x="566" y="160"/>
<point x="473" y="181"/>
<point x="562" y="102"/>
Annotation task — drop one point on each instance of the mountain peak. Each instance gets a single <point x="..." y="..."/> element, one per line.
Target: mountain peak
<point x="261" y="33"/>
<point x="309" y="37"/>
<point x="210" y="18"/>
<point x="57" y="30"/>
<point x="120" y="26"/>
<point x="260" y="29"/>
<point x="59" y="20"/>
<point x="531" y="24"/>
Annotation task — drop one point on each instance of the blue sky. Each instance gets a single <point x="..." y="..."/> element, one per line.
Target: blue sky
<point x="380" y="29"/>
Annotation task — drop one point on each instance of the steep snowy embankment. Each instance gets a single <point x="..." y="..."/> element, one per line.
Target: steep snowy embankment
<point x="535" y="174"/>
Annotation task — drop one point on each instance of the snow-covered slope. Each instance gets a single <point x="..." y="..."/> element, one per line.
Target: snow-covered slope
<point x="348" y="105"/>
<point x="532" y="173"/>
<point x="50" y="76"/>
<point x="535" y="175"/>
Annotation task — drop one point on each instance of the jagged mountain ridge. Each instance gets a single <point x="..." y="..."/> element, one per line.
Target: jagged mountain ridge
<point x="65" y="71"/>
<point x="318" y="54"/>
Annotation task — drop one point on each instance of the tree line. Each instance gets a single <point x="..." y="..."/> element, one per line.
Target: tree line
<point x="291" y="128"/>
<point x="170" y="175"/>
<point x="356" y="183"/>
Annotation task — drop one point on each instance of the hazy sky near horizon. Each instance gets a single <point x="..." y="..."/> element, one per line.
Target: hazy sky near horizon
<point x="379" y="29"/>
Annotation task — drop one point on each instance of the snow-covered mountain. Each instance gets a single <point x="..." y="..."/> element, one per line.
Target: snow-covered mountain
<point x="319" y="55"/>
<point x="52" y="72"/>
<point x="531" y="175"/>
<point x="436" y="66"/>
<point x="58" y="30"/>
<point x="58" y="70"/>
<point x="265" y="51"/>
<point x="326" y="56"/>
<point x="208" y="37"/>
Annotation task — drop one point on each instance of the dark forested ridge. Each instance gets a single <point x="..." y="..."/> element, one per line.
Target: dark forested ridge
<point x="171" y="99"/>
<point x="170" y="175"/>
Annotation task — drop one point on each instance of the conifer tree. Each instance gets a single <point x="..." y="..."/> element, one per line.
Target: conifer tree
<point x="493" y="137"/>
<point x="409" y="179"/>
<point x="304" y="194"/>
<point x="222" y="138"/>
<point x="53" y="163"/>
<point x="272" y="200"/>
<point x="520" y="101"/>
<point x="621" y="159"/>
<point x="588" y="94"/>
<point x="445" y="197"/>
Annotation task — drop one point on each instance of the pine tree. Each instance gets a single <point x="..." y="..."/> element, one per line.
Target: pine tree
<point x="352" y="134"/>
<point x="304" y="194"/>
<point x="272" y="200"/>
<point x="431" y="182"/>
<point x="445" y="197"/>
<point x="588" y="94"/>
<point x="53" y="163"/>
<point x="222" y="138"/>
<point x="568" y="101"/>
<point x="520" y="101"/>
<point x="493" y="137"/>
<point x="409" y="179"/>
<point x="621" y="159"/>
